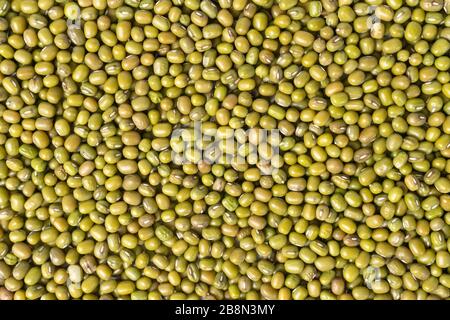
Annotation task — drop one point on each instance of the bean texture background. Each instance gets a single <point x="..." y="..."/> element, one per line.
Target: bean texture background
<point x="353" y="203"/>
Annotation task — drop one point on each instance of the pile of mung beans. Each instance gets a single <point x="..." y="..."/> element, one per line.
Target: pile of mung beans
<point x="93" y="205"/>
